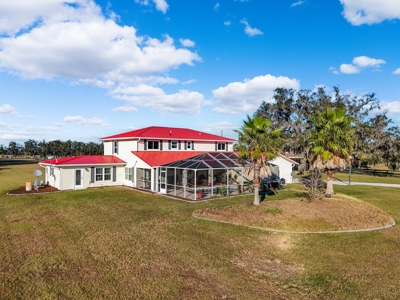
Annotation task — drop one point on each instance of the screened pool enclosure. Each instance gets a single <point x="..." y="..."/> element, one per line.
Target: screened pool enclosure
<point x="203" y="176"/>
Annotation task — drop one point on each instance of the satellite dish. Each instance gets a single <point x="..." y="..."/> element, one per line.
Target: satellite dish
<point x="37" y="173"/>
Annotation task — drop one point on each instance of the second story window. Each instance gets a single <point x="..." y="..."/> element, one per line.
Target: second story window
<point x="221" y="146"/>
<point x="153" y="145"/>
<point x="115" y="147"/>
<point x="174" y="145"/>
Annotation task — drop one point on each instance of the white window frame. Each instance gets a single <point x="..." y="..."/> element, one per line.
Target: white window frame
<point x="188" y="145"/>
<point x="152" y="143"/>
<point x="81" y="182"/>
<point x="221" y="147"/>
<point x="103" y="174"/>
<point x="128" y="174"/>
<point x="174" y="144"/>
<point x="115" y="147"/>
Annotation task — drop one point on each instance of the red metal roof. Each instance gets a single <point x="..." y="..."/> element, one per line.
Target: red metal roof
<point x="84" y="160"/>
<point x="289" y="159"/>
<point x="159" y="158"/>
<point x="157" y="132"/>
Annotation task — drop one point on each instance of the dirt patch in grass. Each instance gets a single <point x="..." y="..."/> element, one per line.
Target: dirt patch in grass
<point x="23" y="191"/>
<point x="338" y="213"/>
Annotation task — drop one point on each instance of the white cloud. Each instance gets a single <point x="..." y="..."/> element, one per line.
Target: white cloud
<point x="397" y="71"/>
<point x="111" y="14"/>
<point x="7" y="109"/>
<point x="61" y="39"/>
<point x="41" y="129"/>
<point x="361" y="62"/>
<point x="349" y="69"/>
<point x="359" y="12"/>
<point x="125" y="108"/>
<point x="189" y="81"/>
<point x="161" y="5"/>
<point x="15" y="137"/>
<point x="186" y="43"/>
<point x="222" y="128"/>
<point x="82" y="121"/>
<point x="297" y="3"/>
<point x="247" y="96"/>
<point x="392" y="107"/>
<point x="66" y="43"/>
<point x="365" y="61"/>
<point x="183" y="102"/>
<point x="216" y="6"/>
<point x="334" y="71"/>
<point x="227" y="23"/>
<point x="249" y="30"/>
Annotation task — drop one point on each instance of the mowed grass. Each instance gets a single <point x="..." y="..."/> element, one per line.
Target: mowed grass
<point x="365" y="178"/>
<point x="339" y="176"/>
<point x="15" y="172"/>
<point x="116" y="243"/>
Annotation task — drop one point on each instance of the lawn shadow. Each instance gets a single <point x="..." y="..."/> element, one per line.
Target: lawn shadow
<point x="10" y="162"/>
<point x="269" y="192"/>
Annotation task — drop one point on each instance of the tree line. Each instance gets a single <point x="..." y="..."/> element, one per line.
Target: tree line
<point x="377" y="140"/>
<point x="56" y="148"/>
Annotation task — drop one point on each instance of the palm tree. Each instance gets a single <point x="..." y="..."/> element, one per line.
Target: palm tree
<point x="332" y="140"/>
<point x="258" y="142"/>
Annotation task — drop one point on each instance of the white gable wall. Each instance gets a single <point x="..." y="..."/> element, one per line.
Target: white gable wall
<point x="285" y="168"/>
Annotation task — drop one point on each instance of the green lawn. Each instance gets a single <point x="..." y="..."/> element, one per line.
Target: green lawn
<point x="360" y="178"/>
<point x="115" y="243"/>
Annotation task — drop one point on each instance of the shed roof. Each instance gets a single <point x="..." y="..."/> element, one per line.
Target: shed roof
<point x="159" y="158"/>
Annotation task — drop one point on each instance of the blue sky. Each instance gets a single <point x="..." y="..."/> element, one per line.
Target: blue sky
<point x="85" y="69"/>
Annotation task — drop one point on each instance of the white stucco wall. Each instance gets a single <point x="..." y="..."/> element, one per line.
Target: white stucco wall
<point x="124" y="148"/>
<point x="64" y="178"/>
<point x="53" y="176"/>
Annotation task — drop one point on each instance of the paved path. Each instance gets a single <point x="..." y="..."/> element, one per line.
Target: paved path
<point x="361" y="183"/>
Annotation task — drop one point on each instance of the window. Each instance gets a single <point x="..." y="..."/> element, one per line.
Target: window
<point x="153" y="145"/>
<point x="221" y="146"/>
<point x="174" y="145"/>
<point x="115" y="147"/>
<point x="128" y="174"/>
<point x="188" y="145"/>
<point x="103" y="174"/>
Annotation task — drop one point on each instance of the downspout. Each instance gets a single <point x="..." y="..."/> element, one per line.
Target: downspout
<point x="137" y="145"/>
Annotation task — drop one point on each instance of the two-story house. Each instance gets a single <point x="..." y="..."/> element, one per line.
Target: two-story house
<point x="176" y="161"/>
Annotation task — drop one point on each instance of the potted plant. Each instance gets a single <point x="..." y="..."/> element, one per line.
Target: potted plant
<point x="199" y="194"/>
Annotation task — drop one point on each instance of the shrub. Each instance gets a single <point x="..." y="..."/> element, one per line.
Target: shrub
<point x="314" y="186"/>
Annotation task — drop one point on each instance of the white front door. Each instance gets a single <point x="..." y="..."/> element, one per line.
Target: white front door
<point x="163" y="180"/>
<point x="78" y="178"/>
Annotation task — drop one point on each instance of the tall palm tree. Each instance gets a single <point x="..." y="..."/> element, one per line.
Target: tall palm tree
<point x="257" y="143"/>
<point x="332" y="140"/>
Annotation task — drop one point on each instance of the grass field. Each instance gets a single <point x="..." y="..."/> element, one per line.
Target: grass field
<point x="360" y="178"/>
<point x="116" y="243"/>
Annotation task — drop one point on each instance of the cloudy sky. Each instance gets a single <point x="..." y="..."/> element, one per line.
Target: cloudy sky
<point x="85" y="69"/>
